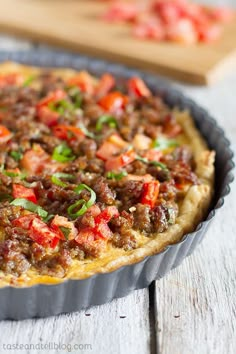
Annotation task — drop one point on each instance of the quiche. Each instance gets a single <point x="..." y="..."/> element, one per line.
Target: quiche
<point x="95" y="173"/>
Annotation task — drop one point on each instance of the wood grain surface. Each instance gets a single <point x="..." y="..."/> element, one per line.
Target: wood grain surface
<point x="75" y="24"/>
<point x="191" y="311"/>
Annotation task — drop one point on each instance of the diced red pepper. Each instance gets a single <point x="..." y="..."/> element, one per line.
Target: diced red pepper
<point x="209" y="33"/>
<point x="42" y="234"/>
<point x="101" y="230"/>
<point x="179" y="21"/>
<point x="20" y="191"/>
<point x="107" y="214"/>
<point x="94" y="211"/>
<point x="106" y="83"/>
<point x="149" y="27"/>
<point x="47" y="116"/>
<point x="169" y="11"/>
<point x="110" y="147"/>
<point x="38" y="230"/>
<point x="107" y="150"/>
<point x="150" y="193"/>
<point x="67" y="132"/>
<point x="84" y="81"/>
<point x="222" y="14"/>
<point x="137" y="87"/>
<point x="11" y="79"/>
<point x="153" y="155"/>
<point x="60" y="222"/>
<point x="24" y="222"/>
<point x="183" y="31"/>
<point x="115" y="163"/>
<point x="86" y="236"/>
<point x="34" y="160"/>
<point x="121" y="11"/>
<point x="113" y="101"/>
<point x="53" y="96"/>
<point x="5" y="134"/>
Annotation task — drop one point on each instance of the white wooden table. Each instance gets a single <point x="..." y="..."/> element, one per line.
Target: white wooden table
<point x="191" y="311"/>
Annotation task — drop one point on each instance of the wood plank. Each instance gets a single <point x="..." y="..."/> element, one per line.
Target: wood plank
<point x="196" y="303"/>
<point x="75" y="24"/>
<point x="120" y="327"/>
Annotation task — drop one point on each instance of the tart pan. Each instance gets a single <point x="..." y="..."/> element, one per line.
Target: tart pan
<point x="73" y="295"/>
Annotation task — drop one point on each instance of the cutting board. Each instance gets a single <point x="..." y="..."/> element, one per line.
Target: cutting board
<point x="75" y="24"/>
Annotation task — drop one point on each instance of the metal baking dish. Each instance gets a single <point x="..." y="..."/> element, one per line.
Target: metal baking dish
<point x="73" y="295"/>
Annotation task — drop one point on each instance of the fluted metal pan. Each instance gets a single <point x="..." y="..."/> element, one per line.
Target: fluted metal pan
<point x="73" y="295"/>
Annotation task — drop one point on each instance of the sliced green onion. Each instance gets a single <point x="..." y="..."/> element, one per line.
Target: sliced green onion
<point x="86" y="131"/>
<point x="12" y="174"/>
<point x="16" y="155"/>
<point x="15" y="174"/>
<point x="106" y="119"/>
<point x="83" y="203"/>
<point x="62" y="153"/>
<point x="61" y="106"/>
<point x="56" y="178"/>
<point x="154" y="163"/>
<point x="118" y="176"/>
<point x="163" y="143"/>
<point x="75" y="95"/>
<point x="26" y="204"/>
<point x="79" y="212"/>
<point x="93" y="196"/>
<point x="158" y="164"/>
<point x="65" y="230"/>
<point x="49" y="217"/>
<point x="28" y="81"/>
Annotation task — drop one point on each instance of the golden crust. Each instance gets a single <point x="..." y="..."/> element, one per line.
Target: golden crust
<point x="192" y="210"/>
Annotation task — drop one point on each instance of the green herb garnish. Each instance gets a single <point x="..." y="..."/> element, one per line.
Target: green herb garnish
<point x="71" y="210"/>
<point x="106" y="119"/>
<point x="163" y="143"/>
<point x="62" y="153"/>
<point x="83" y="204"/>
<point x="15" y="174"/>
<point x="61" y="106"/>
<point x="16" y="155"/>
<point x="75" y="95"/>
<point x="86" y="131"/>
<point x="56" y="178"/>
<point x="28" y="81"/>
<point x="93" y="196"/>
<point x="12" y="174"/>
<point x="117" y="176"/>
<point x="26" y="204"/>
<point x="154" y="163"/>
<point x="66" y="231"/>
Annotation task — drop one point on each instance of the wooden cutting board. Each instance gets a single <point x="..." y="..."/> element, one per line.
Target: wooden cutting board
<point x="75" y="24"/>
